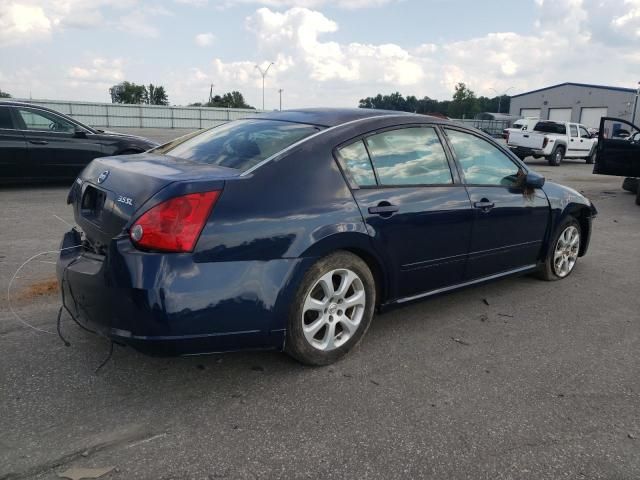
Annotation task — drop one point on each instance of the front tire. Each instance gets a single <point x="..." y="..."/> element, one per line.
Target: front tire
<point x="563" y="254"/>
<point x="555" y="159"/>
<point x="591" y="159"/>
<point x="332" y="309"/>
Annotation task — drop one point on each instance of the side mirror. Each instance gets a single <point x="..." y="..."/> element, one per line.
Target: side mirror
<point x="79" y="133"/>
<point x="534" y="180"/>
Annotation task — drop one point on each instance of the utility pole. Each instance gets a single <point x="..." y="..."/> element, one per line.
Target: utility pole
<point x="211" y="93"/>
<point x="500" y="96"/>
<point x="264" y="74"/>
<point x="635" y="105"/>
<point x="280" y="92"/>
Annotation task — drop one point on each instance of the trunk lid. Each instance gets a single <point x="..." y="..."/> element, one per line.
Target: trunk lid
<point x="113" y="191"/>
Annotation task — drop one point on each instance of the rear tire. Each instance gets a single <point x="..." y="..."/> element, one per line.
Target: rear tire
<point x="555" y="159"/>
<point x="563" y="251"/>
<point x="332" y="309"/>
<point x="630" y="184"/>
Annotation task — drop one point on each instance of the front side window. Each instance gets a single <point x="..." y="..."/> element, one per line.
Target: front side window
<point x="355" y="161"/>
<point x="482" y="163"/>
<point x="240" y="144"/>
<point x="39" y="120"/>
<point x="409" y="156"/>
<point x="584" y="133"/>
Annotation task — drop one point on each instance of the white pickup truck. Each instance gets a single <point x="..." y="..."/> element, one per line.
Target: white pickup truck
<point x="554" y="141"/>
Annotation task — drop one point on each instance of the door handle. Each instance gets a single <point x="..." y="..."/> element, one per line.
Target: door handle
<point x="38" y="142"/>
<point x="484" y="205"/>
<point x="383" y="209"/>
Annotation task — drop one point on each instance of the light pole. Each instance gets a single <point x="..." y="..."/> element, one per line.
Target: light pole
<point x="280" y="90"/>
<point x="635" y="105"/>
<point x="264" y="74"/>
<point x="500" y="96"/>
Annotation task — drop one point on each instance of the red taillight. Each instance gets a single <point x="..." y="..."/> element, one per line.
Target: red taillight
<point x="174" y="225"/>
<point x="545" y="142"/>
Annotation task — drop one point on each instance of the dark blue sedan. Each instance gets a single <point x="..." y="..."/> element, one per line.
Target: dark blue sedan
<point x="287" y="230"/>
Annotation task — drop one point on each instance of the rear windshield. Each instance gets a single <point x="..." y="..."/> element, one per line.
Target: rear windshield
<point x="240" y="144"/>
<point x="551" y="127"/>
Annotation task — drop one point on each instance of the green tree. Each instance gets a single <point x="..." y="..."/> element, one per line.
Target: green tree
<point x="4" y="94"/>
<point x="232" y="99"/>
<point x="464" y="103"/>
<point x="128" y="92"/>
<point x="156" y="95"/>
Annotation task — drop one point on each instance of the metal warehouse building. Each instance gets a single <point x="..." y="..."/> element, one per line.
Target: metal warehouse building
<point x="575" y="102"/>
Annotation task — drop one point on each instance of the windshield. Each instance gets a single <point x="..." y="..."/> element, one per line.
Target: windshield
<point x="240" y="144"/>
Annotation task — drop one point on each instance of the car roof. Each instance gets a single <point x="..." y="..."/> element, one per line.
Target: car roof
<point x="330" y="117"/>
<point x="14" y="103"/>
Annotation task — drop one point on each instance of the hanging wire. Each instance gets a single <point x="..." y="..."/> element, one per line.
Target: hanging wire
<point x="11" y="309"/>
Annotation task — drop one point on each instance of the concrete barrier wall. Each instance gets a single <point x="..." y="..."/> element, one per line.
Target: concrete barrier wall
<point x="116" y="115"/>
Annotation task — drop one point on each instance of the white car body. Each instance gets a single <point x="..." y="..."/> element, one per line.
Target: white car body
<point x="526" y="124"/>
<point x="547" y="136"/>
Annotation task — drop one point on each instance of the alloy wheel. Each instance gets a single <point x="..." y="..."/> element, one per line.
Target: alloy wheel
<point x="333" y="309"/>
<point x="566" y="251"/>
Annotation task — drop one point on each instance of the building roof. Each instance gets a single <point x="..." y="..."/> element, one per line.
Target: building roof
<point x="604" y="87"/>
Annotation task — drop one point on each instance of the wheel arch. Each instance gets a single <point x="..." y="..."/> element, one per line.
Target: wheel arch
<point x="559" y="143"/>
<point x="582" y="214"/>
<point x="358" y="244"/>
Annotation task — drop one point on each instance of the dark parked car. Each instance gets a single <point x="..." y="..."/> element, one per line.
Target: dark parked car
<point x="287" y="230"/>
<point x="40" y="144"/>
<point x="619" y="154"/>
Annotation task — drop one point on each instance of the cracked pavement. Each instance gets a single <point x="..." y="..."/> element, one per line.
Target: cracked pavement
<point x="540" y="381"/>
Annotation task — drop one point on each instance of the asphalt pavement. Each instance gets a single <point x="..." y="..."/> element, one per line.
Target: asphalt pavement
<point x="518" y="379"/>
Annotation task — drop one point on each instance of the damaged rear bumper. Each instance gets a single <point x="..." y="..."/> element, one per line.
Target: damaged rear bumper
<point x="168" y="304"/>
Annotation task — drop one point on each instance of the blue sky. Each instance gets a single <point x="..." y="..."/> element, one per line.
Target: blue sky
<point x="326" y="52"/>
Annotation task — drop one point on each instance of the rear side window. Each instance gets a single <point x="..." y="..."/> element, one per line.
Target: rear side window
<point x="551" y="127"/>
<point x="355" y="161"/>
<point x="5" y="118"/>
<point x="409" y="156"/>
<point x="574" y="130"/>
<point x="241" y="144"/>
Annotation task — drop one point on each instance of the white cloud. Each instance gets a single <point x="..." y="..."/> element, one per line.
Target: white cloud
<point x="20" y="22"/>
<point x="100" y="71"/>
<point x="204" y="39"/>
<point x="588" y="41"/>
<point x="346" y="4"/>
<point x="195" y="3"/>
<point x="629" y="22"/>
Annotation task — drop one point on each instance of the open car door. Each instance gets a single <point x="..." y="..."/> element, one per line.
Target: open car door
<point x="618" y="150"/>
